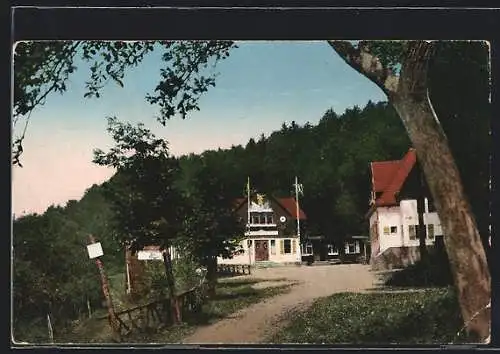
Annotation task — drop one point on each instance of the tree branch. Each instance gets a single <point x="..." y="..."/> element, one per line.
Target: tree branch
<point x="367" y="64"/>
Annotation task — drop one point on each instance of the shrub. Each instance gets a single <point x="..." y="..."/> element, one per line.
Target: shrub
<point x="435" y="271"/>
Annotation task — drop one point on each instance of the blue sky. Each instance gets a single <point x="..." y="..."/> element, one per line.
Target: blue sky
<point x="260" y="86"/>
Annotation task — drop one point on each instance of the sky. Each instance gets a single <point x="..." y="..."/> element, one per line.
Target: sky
<point x="261" y="85"/>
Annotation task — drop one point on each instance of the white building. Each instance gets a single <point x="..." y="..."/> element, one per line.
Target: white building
<point x="271" y="234"/>
<point x="393" y="214"/>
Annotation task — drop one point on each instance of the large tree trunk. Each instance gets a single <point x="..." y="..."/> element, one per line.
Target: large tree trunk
<point x="174" y="301"/>
<point x="462" y="240"/>
<point x="408" y="93"/>
<point x="212" y="276"/>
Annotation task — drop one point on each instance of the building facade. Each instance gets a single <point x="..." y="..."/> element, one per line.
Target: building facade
<point x="272" y="234"/>
<point x="393" y="214"/>
<point x="316" y="249"/>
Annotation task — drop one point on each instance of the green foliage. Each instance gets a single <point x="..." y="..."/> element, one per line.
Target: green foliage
<point x="233" y="296"/>
<point x="147" y="206"/>
<point x="52" y="271"/>
<point x="185" y="272"/>
<point x="435" y="271"/>
<point x="42" y="68"/>
<point x="182" y="80"/>
<point x="331" y="159"/>
<point x="155" y="283"/>
<point x="425" y="317"/>
<point x="211" y="227"/>
<point x="460" y="90"/>
<point x="390" y="53"/>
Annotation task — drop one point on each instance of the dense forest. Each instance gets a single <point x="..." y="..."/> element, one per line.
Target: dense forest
<point x="52" y="272"/>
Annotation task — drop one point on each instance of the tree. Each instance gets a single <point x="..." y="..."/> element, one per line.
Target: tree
<point x="212" y="227"/>
<point x="147" y="206"/>
<point x="51" y="272"/>
<point x="401" y="71"/>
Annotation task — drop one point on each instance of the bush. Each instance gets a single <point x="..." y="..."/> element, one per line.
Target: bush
<point x="435" y="271"/>
<point x="155" y="281"/>
<point x="185" y="273"/>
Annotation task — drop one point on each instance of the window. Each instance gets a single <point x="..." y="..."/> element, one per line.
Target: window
<point x="273" y="246"/>
<point x="261" y="218"/>
<point x="287" y="246"/>
<point x="430" y="231"/>
<point x="332" y="250"/>
<point x="352" y="247"/>
<point x="386" y="230"/>
<point x="306" y="249"/>
<point x="412" y="231"/>
<point x="394" y="229"/>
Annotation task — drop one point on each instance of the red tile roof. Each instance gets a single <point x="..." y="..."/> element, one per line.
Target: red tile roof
<point x="291" y="207"/>
<point x="388" y="177"/>
<point x="287" y="203"/>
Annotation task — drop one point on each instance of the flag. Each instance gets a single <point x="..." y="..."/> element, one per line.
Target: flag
<point x="300" y="188"/>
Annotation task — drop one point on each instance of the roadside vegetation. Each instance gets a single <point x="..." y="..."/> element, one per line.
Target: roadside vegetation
<point x="426" y="316"/>
<point x="414" y="305"/>
<point x="232" y="295"/>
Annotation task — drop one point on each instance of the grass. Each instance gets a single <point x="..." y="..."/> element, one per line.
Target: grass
<point x="430" y="316"/>
<point x="232" y="295"/>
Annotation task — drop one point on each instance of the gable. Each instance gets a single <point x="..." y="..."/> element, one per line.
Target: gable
<point x="388" y="177"/>
<point x="291" y="207"/>
<point x="280" y="206"/>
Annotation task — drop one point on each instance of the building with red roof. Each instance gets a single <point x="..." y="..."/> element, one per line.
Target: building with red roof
<point x="272" y="230"/>
<point x="393" y="212"/>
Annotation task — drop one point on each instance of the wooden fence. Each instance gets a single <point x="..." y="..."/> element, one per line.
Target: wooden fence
<point x="156" y="314"/>
<point x="233" y="269"/>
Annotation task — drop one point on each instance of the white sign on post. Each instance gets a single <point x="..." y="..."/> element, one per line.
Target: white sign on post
<point x="148" y="255"/>
<point x="95" y="250"/>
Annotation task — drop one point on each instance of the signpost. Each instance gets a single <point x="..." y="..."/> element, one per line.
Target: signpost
<point x="95" y="251"/>
<point x="149" y="255"/>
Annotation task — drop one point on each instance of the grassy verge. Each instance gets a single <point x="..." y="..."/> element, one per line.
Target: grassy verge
<point x="232" y="295"/>
<point x="429" y="316"/>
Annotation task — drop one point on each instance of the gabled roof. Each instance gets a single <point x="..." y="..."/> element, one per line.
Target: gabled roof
<point x="291" y="207"/>
<point x="286" y="203"/>
<point x="389" y="176"/>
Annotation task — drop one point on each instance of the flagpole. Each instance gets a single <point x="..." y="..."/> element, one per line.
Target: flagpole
<point x="248" y="201"/>
<point x="248" y="221"/>
<point x="297" y="205"/>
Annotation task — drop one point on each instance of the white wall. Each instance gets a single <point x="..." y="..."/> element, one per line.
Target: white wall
<point x="387" y="217"/>
<point x="249" y="258"/>
<point x="402" y="217"/>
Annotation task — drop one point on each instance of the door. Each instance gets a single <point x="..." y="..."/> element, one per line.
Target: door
<point x="261" y="250"/>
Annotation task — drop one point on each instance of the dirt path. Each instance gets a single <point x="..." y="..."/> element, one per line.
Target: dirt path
<point x="254" y="323"/>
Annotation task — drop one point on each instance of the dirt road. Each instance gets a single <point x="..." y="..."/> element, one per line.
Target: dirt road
<point x="253" y="324"/>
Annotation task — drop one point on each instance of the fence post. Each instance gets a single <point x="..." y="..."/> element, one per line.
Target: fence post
<point x="113" y="321"/>
<point x="51" y="331"/>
